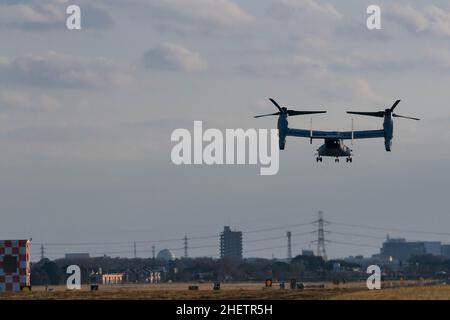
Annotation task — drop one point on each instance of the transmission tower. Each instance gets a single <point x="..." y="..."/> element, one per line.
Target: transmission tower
<point x="185" y="246"/>
<point x="289" y="245"/>
<point x="153" y="252"/>
<point x="135" y="251"/>
<point x="321" y="252"/>
<point x="42" y="251"/>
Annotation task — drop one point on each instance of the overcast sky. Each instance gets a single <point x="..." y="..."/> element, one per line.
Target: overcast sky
<point x="86" y="118"/>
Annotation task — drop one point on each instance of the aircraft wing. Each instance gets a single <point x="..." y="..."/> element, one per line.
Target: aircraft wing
<point x="364" y="134"/>
<point x="345" y="135"/>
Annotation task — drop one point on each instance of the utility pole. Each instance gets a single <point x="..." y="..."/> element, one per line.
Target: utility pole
<point x="289" y="245"/>
<point x="42" y="251"/>
<point x="153" y="252"/>
<point x="185" y="246"/>
<point x="321" y="252"/>
<point x="135" y="252"/>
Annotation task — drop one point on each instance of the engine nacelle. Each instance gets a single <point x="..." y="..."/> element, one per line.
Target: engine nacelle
<point x="388" y="126"/>
<point x="282" y="129"/>
<point x="387" y="144"/>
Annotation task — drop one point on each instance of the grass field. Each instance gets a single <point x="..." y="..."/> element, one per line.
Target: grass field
<point x="349" y="291"/>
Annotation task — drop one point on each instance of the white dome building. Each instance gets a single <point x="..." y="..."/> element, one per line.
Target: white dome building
<point x="165" y="255"/>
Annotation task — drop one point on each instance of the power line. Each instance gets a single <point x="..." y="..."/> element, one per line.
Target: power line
<point x="193" y="247"/>
<point x="354" y="244"/>
<point x="278" y="228"/>
<point x="114" y="243"/>
<point x="277" y="247"/>
<point x="390" y="229"/>
<point x="182" y="241"/>
<point x="278" y="237"/>
<point x="355" y="235"/>
<point x="108" y="243"/>
<point x="205" y="246"/>
<point x="205" y="237"/>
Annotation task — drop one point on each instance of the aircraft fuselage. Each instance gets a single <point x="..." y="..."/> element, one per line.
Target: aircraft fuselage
<point x="334" y="148"/>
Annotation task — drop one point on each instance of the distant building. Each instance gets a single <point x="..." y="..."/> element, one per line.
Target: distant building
<point x="445" y="250"/>
<point x="230" y="243"/>
<point x="77" y="255"/>
<point x="165" y="255"/>
<point x="402" y="250"/>
<point x="433" y="247"/>
<point x="307" y="253"/>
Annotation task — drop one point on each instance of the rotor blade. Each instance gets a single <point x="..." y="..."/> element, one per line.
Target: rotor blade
<point x="266" y="115"/>
<point x="276" y="104"/>
<point x="395" y="105"/>
<point x="300" y="113"/>
<point x="379" y="114"/>
<point x="399" y="116"/>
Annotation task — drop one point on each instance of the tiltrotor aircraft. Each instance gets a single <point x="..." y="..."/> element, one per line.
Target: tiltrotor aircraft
<point x="334" y="140"/>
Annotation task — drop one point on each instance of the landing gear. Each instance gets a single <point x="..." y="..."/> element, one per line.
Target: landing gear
<point x="319" y="159"/>
<point x="336" y="160"/>
<point x="349" y="159"/>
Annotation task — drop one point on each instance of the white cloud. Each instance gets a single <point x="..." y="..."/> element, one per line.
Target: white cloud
<point x="408" y="16"/>
<point x="60" y="70"/>
<point x="286" y="9"/>
<point x="327" y="62"/>
<point x="170" y="56"/>
<point x="16" y="100"/>
<point x="337" y="87"/>
<point x="438" y="57"/>
<point x="38" y="15"/>
<point x="192" y="15"/>
<point x="429" y="19"/>
<point x="309" y="24"/>
<point x="440" y="20"/>
<point x="32" y="12"/>
<point x="165" y="15"/>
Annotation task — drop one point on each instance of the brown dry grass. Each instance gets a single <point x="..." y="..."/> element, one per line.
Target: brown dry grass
<point x="237" y="291"/>
<point x="438" y="292"/>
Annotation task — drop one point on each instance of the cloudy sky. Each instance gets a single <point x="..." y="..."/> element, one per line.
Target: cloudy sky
<point x="86" y="118"/>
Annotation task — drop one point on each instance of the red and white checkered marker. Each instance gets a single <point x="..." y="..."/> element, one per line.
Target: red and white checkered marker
<point x="14" y="265"/>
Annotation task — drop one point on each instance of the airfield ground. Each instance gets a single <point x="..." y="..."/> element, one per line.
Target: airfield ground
<point x="353" y="291"/>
